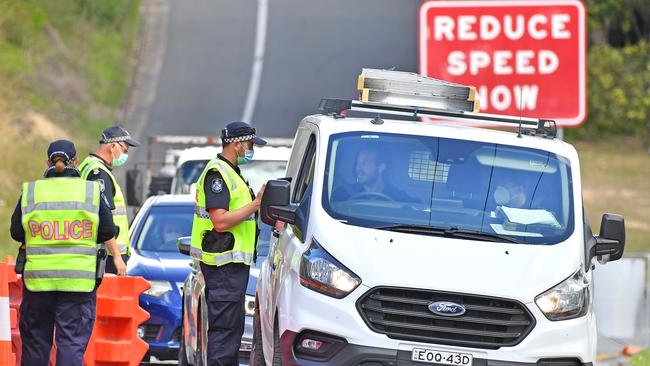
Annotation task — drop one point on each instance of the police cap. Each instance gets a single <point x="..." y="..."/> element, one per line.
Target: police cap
<point x="62" y="148"/>
<point x="240" y="131"/>
<point x="117" y="133"/>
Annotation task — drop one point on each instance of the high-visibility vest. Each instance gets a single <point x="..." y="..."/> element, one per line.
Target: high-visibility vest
<point x="120" y="218"/>
<point x="60" y="217"/>
<point x="243" y="233"/>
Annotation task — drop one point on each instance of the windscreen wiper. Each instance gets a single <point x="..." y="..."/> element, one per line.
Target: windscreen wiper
<point x="453" y="232"/>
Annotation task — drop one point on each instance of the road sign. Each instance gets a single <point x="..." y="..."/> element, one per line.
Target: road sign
<point x="528" y="54"/>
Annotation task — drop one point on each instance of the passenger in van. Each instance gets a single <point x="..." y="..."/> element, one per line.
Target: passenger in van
<point x="510" y="194"/>
<point x="370" y="170"/>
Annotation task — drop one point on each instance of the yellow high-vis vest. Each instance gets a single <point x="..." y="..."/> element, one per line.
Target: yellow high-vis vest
<point x="60" y="217"/>
<point x="119" y="213"/>
<point x="243" y="233"/>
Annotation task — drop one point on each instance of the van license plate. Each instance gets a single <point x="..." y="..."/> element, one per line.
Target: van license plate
<point x="441" y="358"/>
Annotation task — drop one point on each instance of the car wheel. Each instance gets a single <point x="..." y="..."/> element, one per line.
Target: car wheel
<point x="257" y="351"/>
<point x="182" y="352"/>
<point x="277" y="356"/>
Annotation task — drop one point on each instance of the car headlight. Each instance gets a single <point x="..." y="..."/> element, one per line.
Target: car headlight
<point x="158" y="288"/>
<point x="568" y="300"/>
<point x="249" y="305"/>
<point x="322" y="273"/>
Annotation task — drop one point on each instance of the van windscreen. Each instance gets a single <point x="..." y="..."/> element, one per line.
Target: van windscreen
<point x="443" y="186"/>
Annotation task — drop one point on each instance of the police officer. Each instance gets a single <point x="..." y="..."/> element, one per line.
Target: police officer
<point x="112" y="152"/>
<point x="60" y="220"/>
<point x="224" y="238"/>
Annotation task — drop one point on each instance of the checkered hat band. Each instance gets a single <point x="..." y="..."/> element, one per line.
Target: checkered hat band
<point x="67" y="158"/>
<point x="115" y="139"/>
<point x="239" y="138"/>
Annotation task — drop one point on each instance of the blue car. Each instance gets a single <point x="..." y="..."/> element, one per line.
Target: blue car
<point x="155" y="231"/>
<point x="154" y="256"/>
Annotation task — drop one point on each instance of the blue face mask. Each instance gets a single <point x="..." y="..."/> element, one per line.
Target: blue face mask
<point x="121" y="160"/>
<point x="247" y="158"/>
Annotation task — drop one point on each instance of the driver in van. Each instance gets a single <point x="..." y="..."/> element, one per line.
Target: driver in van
<point x="370" y="170"/>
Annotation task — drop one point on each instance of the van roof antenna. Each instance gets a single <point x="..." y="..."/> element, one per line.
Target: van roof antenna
<point x="521" y="108"/>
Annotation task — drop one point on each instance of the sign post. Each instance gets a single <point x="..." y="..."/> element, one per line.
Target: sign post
<point x="529" y="54"/>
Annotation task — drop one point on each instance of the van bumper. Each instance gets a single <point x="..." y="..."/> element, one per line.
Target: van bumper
<point x="352" y="354"/>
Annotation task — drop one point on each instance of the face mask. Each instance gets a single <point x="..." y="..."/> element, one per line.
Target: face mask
<point x="247" y="158"/>
<point x="121" y="160"/>
<point x="501" y="195"/>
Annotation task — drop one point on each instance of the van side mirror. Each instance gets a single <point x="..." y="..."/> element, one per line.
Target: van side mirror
<point x="275" y="203"/>
<point x="184" y="244"/>
<point x="610" y="243"/>
<point x="133" y="188"/>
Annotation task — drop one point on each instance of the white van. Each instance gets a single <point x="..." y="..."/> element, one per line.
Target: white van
<point x="412" y="243"/>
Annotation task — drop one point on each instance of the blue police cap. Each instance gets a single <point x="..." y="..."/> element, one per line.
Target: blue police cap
<point x="240" y="131"/>
<point x="117" y="133"/>
<point x="62" y="148"/>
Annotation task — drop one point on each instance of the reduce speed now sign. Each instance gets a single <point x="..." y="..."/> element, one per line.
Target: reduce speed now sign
<point x="516" y="53"/>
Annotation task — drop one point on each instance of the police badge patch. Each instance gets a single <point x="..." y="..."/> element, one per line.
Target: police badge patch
<point x="217" y="185"/>
<point x="101" y="184"/>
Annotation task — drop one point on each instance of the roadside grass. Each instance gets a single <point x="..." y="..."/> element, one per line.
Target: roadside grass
<point x="616" y="179"/>
<point x="641" y="359"/>
<point x="64" y="67"/>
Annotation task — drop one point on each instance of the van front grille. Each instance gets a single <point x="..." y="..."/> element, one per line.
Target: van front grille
<point x="403" y="313"/>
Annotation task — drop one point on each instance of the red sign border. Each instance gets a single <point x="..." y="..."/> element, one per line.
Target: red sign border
<point x="582" y="41"/>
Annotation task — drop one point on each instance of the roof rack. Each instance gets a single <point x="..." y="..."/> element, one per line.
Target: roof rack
<point x="412" y="95"/>
<point x="529" y="126"/>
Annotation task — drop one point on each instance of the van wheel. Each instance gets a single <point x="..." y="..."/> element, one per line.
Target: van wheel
<point x="257" y="351"/>
<point x="277" y="356"/>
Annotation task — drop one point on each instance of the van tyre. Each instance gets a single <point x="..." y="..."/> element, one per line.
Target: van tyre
<point x="257" y="351"/>
<point x="277" y="355"/>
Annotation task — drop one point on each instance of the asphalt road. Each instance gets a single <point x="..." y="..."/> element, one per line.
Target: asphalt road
<point x="312" y="49"/>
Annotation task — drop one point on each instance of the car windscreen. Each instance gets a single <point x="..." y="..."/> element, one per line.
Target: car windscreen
<point x="449" y="187"/>
<point x="257" y="172"/>
<point x="163" y="226"/>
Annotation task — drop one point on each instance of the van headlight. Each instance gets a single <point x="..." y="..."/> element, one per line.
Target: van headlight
<point x="158" y="288"/>
<point x="322" y="273"/>
<point x="249" y="305"/>
<point x="568" y="300"/>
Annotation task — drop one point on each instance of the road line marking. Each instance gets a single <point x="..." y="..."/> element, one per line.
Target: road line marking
<point x="258" y="61"/>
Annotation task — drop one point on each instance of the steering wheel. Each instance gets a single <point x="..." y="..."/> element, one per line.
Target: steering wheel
<point x="371" y="194"/>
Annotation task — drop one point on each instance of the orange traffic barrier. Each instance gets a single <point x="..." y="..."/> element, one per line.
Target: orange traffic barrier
<point x="15" y="285"/>
<point x="631" y="350"/>
<point x="114" y="341"/>
<point x="7" y="321"/>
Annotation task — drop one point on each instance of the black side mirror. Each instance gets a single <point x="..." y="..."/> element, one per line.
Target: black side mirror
<point x="160" y="185"/>
<point x="610" y="243"/>
<point x="275" y="203"/>
<point x="184" y="244"/>
<point x="133" y="187"/>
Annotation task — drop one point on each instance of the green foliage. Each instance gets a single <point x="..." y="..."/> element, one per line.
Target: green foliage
<point x="619" y="22"/>
<point x="618" y="91"/>
<point x="641" y="359"/>
<point x="67" y="61"/>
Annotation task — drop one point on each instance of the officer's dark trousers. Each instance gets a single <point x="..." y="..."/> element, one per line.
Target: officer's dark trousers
<point x="224" y="293"/>
<point x="73" y="314"/>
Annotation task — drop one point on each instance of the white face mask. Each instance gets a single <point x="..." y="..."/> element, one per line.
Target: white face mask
<point x="501" y="195"/>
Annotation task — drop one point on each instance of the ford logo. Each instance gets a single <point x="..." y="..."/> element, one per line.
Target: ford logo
<point x="446" y="308"/>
